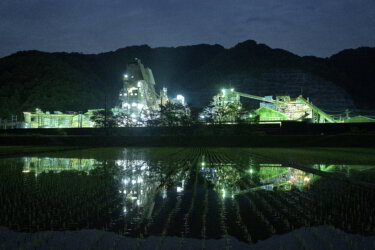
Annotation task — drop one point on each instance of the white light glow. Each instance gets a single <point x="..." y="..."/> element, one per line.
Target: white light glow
<point x="164" y="194"/>
<point x="181" y="98"/>
<point x="139" y="179"/>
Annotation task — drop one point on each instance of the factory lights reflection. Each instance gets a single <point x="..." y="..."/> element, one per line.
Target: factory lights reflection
<point x="151" y="191"/>
<point x="139" y="177"/>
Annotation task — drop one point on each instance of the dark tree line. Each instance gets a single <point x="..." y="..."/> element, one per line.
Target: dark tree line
<point x="169" y="115"/>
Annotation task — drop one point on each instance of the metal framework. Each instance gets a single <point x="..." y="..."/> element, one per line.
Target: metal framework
<point x="322" y="116"/>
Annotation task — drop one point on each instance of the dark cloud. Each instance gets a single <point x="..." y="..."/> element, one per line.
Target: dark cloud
<point x="303" y="27"/>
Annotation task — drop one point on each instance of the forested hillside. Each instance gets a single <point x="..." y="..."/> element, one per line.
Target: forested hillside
<point x="77" y="82"/>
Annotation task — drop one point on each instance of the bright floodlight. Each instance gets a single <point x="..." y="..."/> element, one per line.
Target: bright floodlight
<point x="181" y="98"/>
<point x="126" y="76"/>
<point x="232" y="90"/>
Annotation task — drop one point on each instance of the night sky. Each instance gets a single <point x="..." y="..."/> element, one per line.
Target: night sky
<point x="304" y="27"/>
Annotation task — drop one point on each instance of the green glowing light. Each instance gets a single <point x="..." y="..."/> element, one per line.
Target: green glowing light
<point x="203" y="164"/>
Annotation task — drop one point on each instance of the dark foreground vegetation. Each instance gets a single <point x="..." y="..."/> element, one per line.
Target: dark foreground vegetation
<point x="287" y="134"/>
<point x="187" y="141"/>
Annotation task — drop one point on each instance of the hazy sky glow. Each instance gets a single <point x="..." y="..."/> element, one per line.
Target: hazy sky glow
<point x="308" y="27"/>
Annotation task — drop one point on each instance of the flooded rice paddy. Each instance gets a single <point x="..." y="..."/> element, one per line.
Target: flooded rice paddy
<point x="203" y="193"/>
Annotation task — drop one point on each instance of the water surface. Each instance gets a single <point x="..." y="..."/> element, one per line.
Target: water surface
<point x="189" y="192"/>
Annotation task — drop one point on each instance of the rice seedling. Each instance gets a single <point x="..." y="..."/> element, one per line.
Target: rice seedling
<point x="204" y="215"/>
<point x="184" y="192"/>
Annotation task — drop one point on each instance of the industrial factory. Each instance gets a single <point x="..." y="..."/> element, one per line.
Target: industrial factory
<point x="139" y="102"/>
<point x="227" y="108"/>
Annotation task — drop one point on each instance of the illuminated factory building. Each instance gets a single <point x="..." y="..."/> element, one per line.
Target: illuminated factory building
<point x="139" y="102"/>
<point x="281" y="108"/>
<point x="137" y="99"/>
<point x="57" y="119"/>
<point x="138" y="94"/>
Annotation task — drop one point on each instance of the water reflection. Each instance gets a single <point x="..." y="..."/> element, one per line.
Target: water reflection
<point x="39" y="165"/>
<point x="138" y="193"/>
<point x="138" y="179"/>
<point x="231" y="179"/>
<point x="136" y="183"/>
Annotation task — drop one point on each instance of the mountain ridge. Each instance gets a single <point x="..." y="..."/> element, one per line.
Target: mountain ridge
<point x="75" y="81"/>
